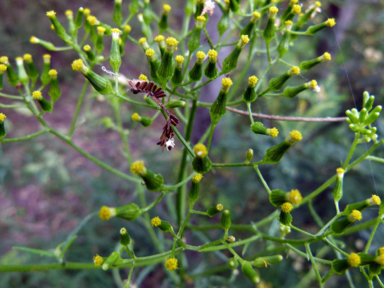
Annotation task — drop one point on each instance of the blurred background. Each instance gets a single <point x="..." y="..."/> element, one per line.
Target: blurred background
<point x="47" y="188"/>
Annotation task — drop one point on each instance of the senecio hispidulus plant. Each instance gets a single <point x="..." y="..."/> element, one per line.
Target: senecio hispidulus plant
<point x="175" y="79"/>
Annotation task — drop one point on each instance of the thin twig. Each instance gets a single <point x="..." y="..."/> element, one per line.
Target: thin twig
<point x="289" y="118"/>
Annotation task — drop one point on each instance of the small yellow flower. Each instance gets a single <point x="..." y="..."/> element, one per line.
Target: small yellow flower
<point x="51" y="14"/>
<point x="150" y="52"/>
<point x="77" y="65"/>
<point x="313" y="84"/>
<point x="105" y="213"/>
<point x="142" y="77"/>
<point x="200" y="150"/>
<point x="156" y="221"/>
<point x="318" y="4"/>
<point x="273" y="11"/>
<point x="37" y="95"/>
<point x="294" y="1"/>
<point x="286" y="207"/>
<point x="138" y="168"/>
<point x="354" y="260"/>
<point x="273" y="132"/>
<point x="296" y="9"/>
<point x="375" y="200"/>
<point x="46" y="56"/>
<point x="159" y="38"/>
<point x="92" y="20"/>
<point x="179" y="59"/>
<point x="327" y="56"/>
<point x="295" y="70"/>
<point x="68" y="12"/>
<point x="172" y="41"/>
<point x="101" y="30"/>
<point x="256" y="15"/>
<point x="142" y="40"/>
<point x="116" y="33"/>
<point x="167" y="8"/>
<point x="87" y="11"/>
<point x="127" y="28"/>
<point x="34" y="40"/>
<point x="4" y="59"/>
<point x="135" y="117"/>
<point x="2" y="118"/>
<point x="27" y="57"/>
<point x="244" y="39"/>
<point x="87" y="48"/>
<point x="380" y="259"/>
<point x="200" y="55"/>
<point x="52" y="72"/>
<point x="219" y="207"/>
<point x="288" y="23"/>
<point x="98" y="260"/>
<point x="3" y="68"/>
<point x="355" y="215"/>
<point x="331" y="22"/>
<point x="171" y="264"/>
<point x="340" y="171"/>
<point x="226" y="82"/>
<point x="296" y="135"/>
<point x="252" y="81"/>
<point x="294" y="196"/>
<point x="201" y="18"/>
<point x="212" y="54"/>
<point x="197" y="178"/>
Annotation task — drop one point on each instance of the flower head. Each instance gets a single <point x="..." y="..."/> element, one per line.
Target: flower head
<point x="200" y="150"/>
<point x="116" y="33"/>
<point x="150" y="52"/>
<point x="4" y="59"/>
<point x="226" y="82"/>
<point x="171" y="43"/>
<point x="200" y="55"/>
<point x="296" y="135"/>
<point x="355" y="215"/>
<point x="37" y="95"/>
<point x="252" y="81"/>
<point x="294" y="196"/>
<point x="273" y="11"/>
<point x="374" y="200"/>
<point x="273" y="132"/>
<point x="318" y="4"/>
<point x="27" y="57"/>
<point x="142" y="77"/>
<point x="2" y="117"/>
<point x="197" y="178"/>
<point x="135" y="117"/>
<point x="98" y="260"/>
<point x="179" y="59"/>
<point x="171" y="264"/>
<point x="244" y="39"/>
<point x="327" y="56"/>
<point x="296" y="9"/>
<point x="354" y="260"/>
<point x="51" y="14"/>
<point x="138" y="168"/>
<point x="212" y="54"/>
<point x="101" y="30"/>
<point x="3" y="68"/>
<point x="156" y="221"/>
<point x="312" y="84"/>
<point x="127" y="28"/>
<point x="286" y="207"/>
<point x="87" y="48"/>
<point x="219" y="207"/>
<point x="105" y="213"/>
<point x="331" y="22"/>
<point x="78" y="65"/>
<point x="52" y="73"/>
<point x="167" y="8"/>
<point x="294" y="70"/>
<point x="159" y="38"/>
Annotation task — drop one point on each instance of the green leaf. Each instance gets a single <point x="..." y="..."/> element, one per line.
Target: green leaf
<point x="35" y="251"/>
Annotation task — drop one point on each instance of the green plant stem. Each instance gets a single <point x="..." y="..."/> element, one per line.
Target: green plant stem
<point x="154" y="203"/>
<point x="199" y="212"/>
<point x="182" y="190"/>
<point x="302" y="254"/>
<point x="325" y="227"/>
<point x="28" y="137"/>
<point x="10" y="96"/>
<point x="5" y="106"/>
<point x="250" y="112"/>
<point x="170" y="188"/>
<point x="78" y="106"/>
<point x="262" y="180"/>
<point x="123" y="136"/>
<point x="213" y="126"/>
<point x="302" y="231"/>
<point x="252" y="164"/>
<point x="314" y="266"/>
<point x="136" y="102"/>
<point x="349" y="156"/>
<point x="335" y="247"/>
<point x="377" y="159"/>
<point x="372" y="235"/>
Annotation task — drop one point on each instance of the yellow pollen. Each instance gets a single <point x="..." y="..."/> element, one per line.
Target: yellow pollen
<point x="244" y="39"/>
<point x="200" y="150"/>
<point x="252" y="81"/>
<point x="3" y="68"/>
<point x="142" y="40"/>
<point x="327" y="56"/>
<point x="91" y="20"/>
<point x="376" y="199"/>
<point x="296" y="9"/>
<point x="87" y="11"/>
<point x="318" y="4"/>
<point x="2" y="117"/>
<point x="87" y="48"/>
<point x="212" y="54"/>
<point x="197" y="178"/>
<point x="105" y="213"/>
<point x="273" y="10"/>
<point x="313" y="84"/>
<point x="77" y="64"/>
<point x="288" y="23"/>
<point x="355" y="215"/>
<point x="68" y="12"/>
<point x="219" y="207"/>
<point x="159" y="38"/>
<point x="167" y="8"/>
<point x="354" y="260"/>
<point x="340" y="171"/>
<point x="294" y="1"/>
<point x="37" y="95"/>
<point x="227" y="82"/>
<point x="179" y="59"/>
<point x="34" y="40"/>
<point x="331" y="22"/>
<point x="18" y="59"/>
<point x="381" y="250"/>
<point x="295" y="196"/>
<point x="51" y="14"/>
<point x="156" y="221"/>
<point x="47" y="56"/>
<point x="101" y="29"/>
<point x="256" y="15"/>
<point x="171" y="264"/>
<point x="97" y="260"/>
<point x="380" y="259"/>
<point x="135" y="117"/>
<point x="296" y="135"/>
<point x="4" y="59"/>
<point x="52" y="72"/>
<point x="172" y="41"/>
<point x="201" y="18"/>
<point x="127" y="28"/>
<point x="295" y="70"/>
<point x="138" y="167"/>
<point x="200" y="55"/>
<point x="142" y="77"/>
<point x="116" y="31"/>
<point x="27" y="57"/>
<point x="150" y="52"/>
<point x="273" y="132"/>
<point x="286" y="207"/>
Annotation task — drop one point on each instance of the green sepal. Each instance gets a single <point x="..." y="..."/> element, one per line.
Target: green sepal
<point x="60" y="31"/>
<point x="199" y="8"/>
<point x="201" y="165"/>
<point x="249" y="155"/>
<point x="291" y="92"/>
<point x="295" y="28"/>
<point x="45" y="78"/>
<point x="54" y="90"/>
<point x="274" y="154"/>
<point x="339" y="226"/>
<point x="213" y="211"/>
<point x="45" y="105"/>
<point x="316" y="28"/>
<point x="93" y="34"/>
<point x="360" y="206"/>
<point x="111" y="260"/>
<point x="124" y="238"/>
<point x="90" y="55"/>
<point x="277" y="197"/>
<point x="153" y="181"/>
<point x="147" y="15"/>
<point x="261" y="262"/>
<point x="108" y="28"/>
<point x="211" y="70"/>
<point x="2" y="130"/>
<point x="249" y="95"/>
<point x="286" y="12"/>
<point x="128" y="212"/>
<point x="134" y="7"/>
<point x="194" y="41"/>
<point x="306" y="65"/>
<point x="154" y="65"/>
<point x="177" y="77"/>
<point x="101" y="84"/>
<point x="269" y="30"/>
<point x="166" y="68"/>
<point x="363" y="115"/>
<point x="285" y="218"/>
<point x="277" y="83"/>
<point x="353" y="117"/>
<point x="340" y="266"/>
<point x="99" y="44"/>
<point x="225" y="220"/>
<point x="196" y="73"/>
<point x="1" y="81"/>
<point x="163" y="24"/>
<point x="145" y="121"/>
<point x="230" y="62"/>
<point x="175" y="104"/>
<point x="234" y="5"/>
<point x="218" y="107"/>
<point x="115" y="57"/>
<point x="32" y="72"/>
<point x="258" y="128"/>
<point x="233" y="263"/>
<point x="193" y="194"/>
<point x="247" y="30"/>
<point x="165" y="226"/>
<point x="373" y="115"/>
<point x="71" y="26"/>
<point x="13" y="79"/>
<point x="117" y="14"/>
<point x="374" y="269"/>
<point x="305" y="17"/>
<point x="366" y="259"/>
<point x="284" y="44"/>
<point x="338" y="190"/>
<point x="79" y="18"/>
<point x="368" y="101"/>
<point x="248" y="270"/>
<point x="22" y="74"/>
<point x="223" y="24"/>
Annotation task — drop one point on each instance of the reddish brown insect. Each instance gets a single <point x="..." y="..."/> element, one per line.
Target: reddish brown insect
<point x="151" y="89"/>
